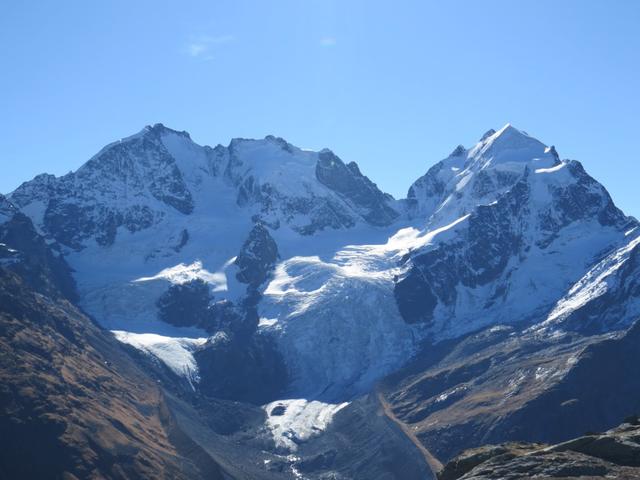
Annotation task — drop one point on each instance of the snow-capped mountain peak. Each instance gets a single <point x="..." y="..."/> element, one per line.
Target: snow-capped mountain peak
<point x="306" y="250"/>
<point x="477" y="176"/>
<point x="158" y="173"/>
<point x="507" y="145"/>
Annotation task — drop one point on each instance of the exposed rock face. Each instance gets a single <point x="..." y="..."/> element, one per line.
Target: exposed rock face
<point x="613" y="454"/>
<point x="620" y="445"/>
<point x="7" y="209"/>
<point x="477" y="257"/>
<point x="24" y="251"/>
<point x="186" y="305"/>
<point x="128" y="184"/>
<point x="354" y="187"/>
<point x="428" y="191"/>
<point x="258" y="256"/>
<point x="242" y="368"/>
<point x="512" y="218"/>
<point x="470" y="459"/>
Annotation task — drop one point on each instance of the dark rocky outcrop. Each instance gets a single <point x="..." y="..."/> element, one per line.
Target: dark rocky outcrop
<point x="478" y="256"/>
<point x="116" y="188"/>
<point x="243" y="368"/>
<point x="29" y="255"/>
<point x="470" y="459"/>
<point x="186" y="305"/>
<point x="347" y="181"/>
<point x="505" y="385"/>
<point x="73" y="404"/>
<point x="257" y="256"/>
<point x="613" y="454"/>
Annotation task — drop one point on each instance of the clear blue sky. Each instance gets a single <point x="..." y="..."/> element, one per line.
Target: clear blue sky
<point x="394" y="86"/>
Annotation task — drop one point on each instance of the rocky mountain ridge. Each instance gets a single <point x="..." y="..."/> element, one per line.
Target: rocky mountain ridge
<point x="612" y="454"/>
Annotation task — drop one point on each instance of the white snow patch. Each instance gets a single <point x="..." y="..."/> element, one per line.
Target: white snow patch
<point x="10" y="250"/>
<point x="183" y="273"/>
<point x="267" y="322"/>
<point x="300" y="420"/>
<point x="175" y="353"/>
<point x="499" y="328"/>
<point x="551" y="169"/>
<point x="592" y="285"/>
<point x="444" y="396"/>
<point x="463" y="181"/>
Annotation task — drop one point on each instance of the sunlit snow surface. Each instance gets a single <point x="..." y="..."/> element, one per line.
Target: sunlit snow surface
<point x="175" y="353"/>
<point x="595" y="283"/>
<point x="294" y="421"/>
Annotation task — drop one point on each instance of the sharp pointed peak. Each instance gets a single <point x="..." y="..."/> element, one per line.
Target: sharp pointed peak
<point x="507" y="135"/>
<point x="509" y="144"/>
<point x="552" y="150"/>
<point x="507" y="130"/>
<point x="458" y="151"/>
<point x="487" y="134"/>
<point x="160" y="129"/>
<point x="154" y="131"/>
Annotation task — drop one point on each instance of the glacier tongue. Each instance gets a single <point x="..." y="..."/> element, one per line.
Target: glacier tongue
<point x="175" y="353"/>
<point x="293" y="421"/>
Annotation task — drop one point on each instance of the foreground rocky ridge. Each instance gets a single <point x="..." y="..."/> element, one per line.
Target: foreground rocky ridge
<point x="72" y="403"/>
<point x="501" y="384"/>
<point x="612" y="454"/>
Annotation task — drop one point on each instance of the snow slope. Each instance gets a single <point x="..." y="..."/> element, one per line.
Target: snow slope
<point x="296" y="420"/>
<point x="176" y="353"/>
